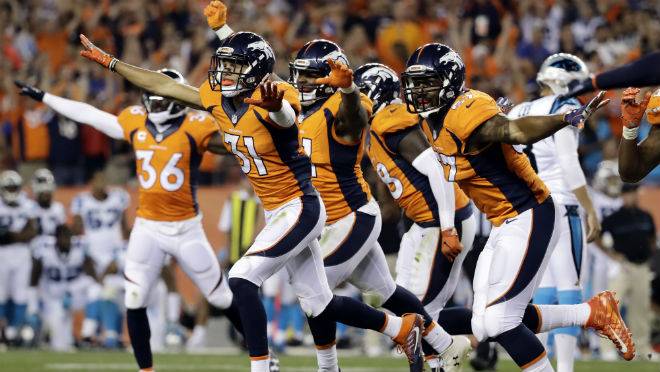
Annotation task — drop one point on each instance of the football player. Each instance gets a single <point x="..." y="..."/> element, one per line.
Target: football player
<point x="257" y="120"/>
<point x="18" y="226"/>
<point x="475" y="142"/>
<point x="61" y="272"/>
<point x="555" y="160"/>
<point x="168" y="141"/>
<point x="333" y="132"/>
<point x="50" y="213"/>
<point x="636" y="160"/>
<point x="100" y="215"/>
<point x="431" y="255"/>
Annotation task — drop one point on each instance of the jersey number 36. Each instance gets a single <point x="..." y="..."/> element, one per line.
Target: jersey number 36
<point x="171" y="177"/>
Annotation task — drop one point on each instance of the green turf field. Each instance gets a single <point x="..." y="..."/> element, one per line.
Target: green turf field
<point x="38" y="361"/>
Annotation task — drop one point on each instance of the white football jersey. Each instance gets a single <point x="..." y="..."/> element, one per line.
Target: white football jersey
<point x="604" y="204"/>
<point x="102" y="223"/>
<point x="59" y="270"/>
<point x="14" y="218"/>
<point x="544" y="154"/>
<point x="49" y="218"/>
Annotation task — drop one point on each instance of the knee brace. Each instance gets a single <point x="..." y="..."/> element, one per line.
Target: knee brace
<point x="136" y="296"/>
<point x="496" y="323"/>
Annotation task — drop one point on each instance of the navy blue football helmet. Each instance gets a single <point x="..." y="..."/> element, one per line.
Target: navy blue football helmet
<point x="434" y="78"/>
<point x="378" y="82"/>
<point x="241" y="63"/>
<point x="312" y="61"/>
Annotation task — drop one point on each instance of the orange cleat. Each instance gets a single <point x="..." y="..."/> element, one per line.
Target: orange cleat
<point x="606" y="319"/>
<point x="409" y="340"/>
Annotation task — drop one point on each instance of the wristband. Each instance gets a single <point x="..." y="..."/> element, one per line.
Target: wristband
<point x="112" y="64"/>
<point x="630" y="133"/>
<point x="348" y="90"/>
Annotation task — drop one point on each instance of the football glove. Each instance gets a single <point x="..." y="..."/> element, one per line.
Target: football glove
<point x="577" y="117"/>
<point x="340" y="76"/>
<point x="30" y="91"/>
<point x="270" y="98"/>
<point x="631" y="110"/>
<point x="451" y="244"/>
<point x="216" y="14"/>
<point x="94" y="53"/>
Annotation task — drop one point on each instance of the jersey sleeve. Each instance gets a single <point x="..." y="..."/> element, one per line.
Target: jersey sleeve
<point x="468" y="112"/>
<point x="130" y="119"/>
<point x="208" y="97"/>
<point x="204" y="126"/>
<point x="76" y="205"/>
<point x="392" y="124"/>
<point x="123" y="199"/>
<point x="60" y="214"/>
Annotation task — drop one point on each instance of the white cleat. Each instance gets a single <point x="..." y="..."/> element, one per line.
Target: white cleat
<point x="456" y="355"/>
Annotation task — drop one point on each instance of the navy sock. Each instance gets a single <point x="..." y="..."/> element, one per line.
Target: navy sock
<point x="252" y="315"/>
<point x="138" y="330"/>
<point x="403" y="301"/>
<point x="234" y="315"/>
<point x="323" y="329"/>
<point x="353" y="313"/>
<point x="521" y="344"/>
<point x="456" y="320"/>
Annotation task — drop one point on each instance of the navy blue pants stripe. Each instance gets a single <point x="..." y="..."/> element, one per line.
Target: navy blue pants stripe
<point x="441" y="266"/>
<point x="575" y="227"/>
<point x="360" y="232"/>
<point x="543" y="223"/>
<point x="307" y="220"/>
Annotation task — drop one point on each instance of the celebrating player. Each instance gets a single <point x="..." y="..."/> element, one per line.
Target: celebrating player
<point x="636" y="160"/>
<point x="431" y="256"/>
<point x="259" y="127"/>
<point x="168" y="141"/>
<point x="333" y="133"/>
<point x="475" y="142"/>
<point x="555" y="159"/>
<point x="18" y="226"/>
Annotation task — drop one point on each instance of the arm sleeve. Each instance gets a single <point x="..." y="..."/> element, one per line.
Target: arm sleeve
<point x="427" y="163"/>
<point x="567" y="144"/>
<point x="640" y="73"/>
<point x="86" y="114"/>
<point x="286" y="117"/>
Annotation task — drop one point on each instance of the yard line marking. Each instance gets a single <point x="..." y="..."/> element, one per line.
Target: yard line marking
<point x="188" y="367"/>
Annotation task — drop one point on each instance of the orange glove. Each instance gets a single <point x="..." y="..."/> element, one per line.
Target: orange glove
<point x="340" y="75"/>
<point x="451" y="244"/>
<point x="93" y="53"/>
<point x="216" y="14"/>
<point x="631" y="110"/>
<point x="271" y="98"/>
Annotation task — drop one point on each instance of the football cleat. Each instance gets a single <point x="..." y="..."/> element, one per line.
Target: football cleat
<point x="274" y="363"/>
<point x="409" y="340"/>
<point x="606" y="319"/>
<point x="456" y="354"/>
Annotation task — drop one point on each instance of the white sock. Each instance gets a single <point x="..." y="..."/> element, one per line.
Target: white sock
<point x="541" y="365"/>
<point x="565" y="346"/>
<point x="89" y="328"/>
<point x="392" y="325"/>
<point x="262" y="365"/>
<point x="558" y="316"/>
<point x="327" y="359"/>
<point x="173" y="307"/>
<point x="438" y="338"/>
<point x="198" y="337"/>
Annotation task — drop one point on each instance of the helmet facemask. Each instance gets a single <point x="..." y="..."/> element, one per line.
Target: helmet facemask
<point x="426" y="91"/>
<point x="229" y="74"/>
<point x="302" y="76"/>
<point x="10" y="186"/>
<point x="161" y="109"/>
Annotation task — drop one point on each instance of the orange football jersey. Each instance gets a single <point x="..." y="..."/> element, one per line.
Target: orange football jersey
<point x="268" y="154"/>
<point x="499" y="179"/>
<point x="336" y="170"/>
<point x="410" y="188"/>
<point x="167" y="163"/>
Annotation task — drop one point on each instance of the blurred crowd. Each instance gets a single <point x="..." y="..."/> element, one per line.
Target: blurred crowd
<point x="502" y="42"/>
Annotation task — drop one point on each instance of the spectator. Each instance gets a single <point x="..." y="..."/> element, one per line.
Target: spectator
<point x="630" y="233"/>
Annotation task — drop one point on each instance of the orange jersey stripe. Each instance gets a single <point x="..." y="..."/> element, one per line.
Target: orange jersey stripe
<point x="336" y="172"/>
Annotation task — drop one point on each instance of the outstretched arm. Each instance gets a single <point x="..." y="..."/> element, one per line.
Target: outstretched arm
<point x="151" y="81"/>
<point x="636" y="160"/>
<point x="352" y="116"/>
<point x="530" y="129"/>
<point x="77" y="111"/>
